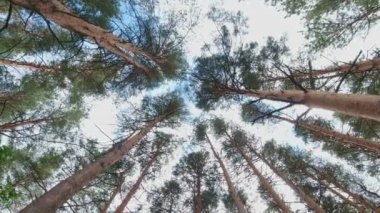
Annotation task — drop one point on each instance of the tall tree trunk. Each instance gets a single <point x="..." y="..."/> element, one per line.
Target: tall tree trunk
<point x="198" y="196"/>
<point x="231" y="187"/>
<point x="321" y="132"/>
<point x="136" y="186"/>
<point x="11" y="126"/>
<point x="359" y="199"/>
<point x="26" y="65"/>
<point x="310" y="202"/>
<point x="56" y="196"/>
<point x="359" y="67"/>
<point x="334" y="191"/>
<point x="116" y="190"/>
<point x="262" y="180"/>
<point x="365" y="106"/>
<point x="55" y="11"/>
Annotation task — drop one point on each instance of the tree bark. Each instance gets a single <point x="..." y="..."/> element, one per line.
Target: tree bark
<point x="359" y="67"/>
<point x="116" y="190"/>
<point x="136" y="186"/>
<point x="12" y="126"/>
<point x="55" y="197"/>
<point x="198" y="197"/>
<point x="263" y="182"/>
<point x="55" y="11"/>
<point x="365" y="106"/>
<point x="344" y="189"/>
<point x="311" y="203"/>
<point x="29" y="65"/>
<point x="231" y="187"/>
<point x="334" y="191"/>
<point x="321" y="132"/>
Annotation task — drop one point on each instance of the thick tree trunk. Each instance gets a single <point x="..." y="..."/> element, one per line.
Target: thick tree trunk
<point x="231" y="187"/>
<point x="55" y="197"/>
<point x="365" y="106"/>
<point x="116" y="190"/>
<point x="308" y="200"/>
<point x="28" y="65"/>
<point x="359" y="67"/>
<point x="55" y="11"/>
<point x="264" y="183"/>
<point x="321" y="132"/>
<point x="136" y="186"/>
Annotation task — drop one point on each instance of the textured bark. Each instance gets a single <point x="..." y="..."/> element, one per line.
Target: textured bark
<point x="55" y="197"/>
<point x="136" y="186"/>
<point x="373" y="146"/>
<point x="359" y="67"/>
<point x="264" y="183"/>
<point x="231" y="187"/>
<point x="310" y="202"/>
<point x="55" y="11"/>
<point x="365" y="106"/>
<point x="28" y="65"/>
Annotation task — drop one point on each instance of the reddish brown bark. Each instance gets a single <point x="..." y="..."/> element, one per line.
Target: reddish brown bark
<point x="11" y="126"/>
<point x="55" y="197"/>
<point x="55" y="11"/>
<point x="310" y="202"/>
<point x="318" y="131"/>
<point x="116" y="190"/>
<point x="359" y="67"/>
<point x="231" y="187"/>
<point x="365" y="106"/>
<point x="263" y="182"/>
<point x="26" y="65"/>
<point x="136" y="186"/>
<point x="198" y="197"/>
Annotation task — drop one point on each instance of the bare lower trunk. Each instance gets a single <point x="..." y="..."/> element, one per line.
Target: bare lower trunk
<point x="136" y="186"/>
<point x="318" y="131"/>
<point x="264" y="183"/>
<point x="359" y="67"/>
<point x="198" y="197"/>
<point x="308" y="200"/>
<point x="231" y="187"/>
<point x="365" y="106"/>
<point x="55" y="11"/>
<point x="26" y="65"/>
<point x="55" y="197"/>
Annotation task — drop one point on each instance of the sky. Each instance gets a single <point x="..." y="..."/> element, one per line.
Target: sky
<point x="263" y="20"/>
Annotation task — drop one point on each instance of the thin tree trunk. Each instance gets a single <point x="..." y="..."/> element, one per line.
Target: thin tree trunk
<point x="334" y="191"/>
<point x="198" y="197"/>
<point x="55" y="11"/>
<point x="11" y="126"/>
<point x="116" y="190"/>
<point x="344" y="189"/>
<point x="359" y="67"/>
<point x="136" y="186"/>
<point x="310" y="202"/>
<point x="318" y="131"/>
<point x="365" y="106"/>
<point x="263" y="182"/>
<point x="231" y="187"/>
<point x="26" y="65"/>
<point x="55" y="197"/>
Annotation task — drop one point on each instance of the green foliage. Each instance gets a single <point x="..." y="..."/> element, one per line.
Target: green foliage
<point x="229" y="203"/>
<point x="167" y="198"/>
<point x="332" y="22"/>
